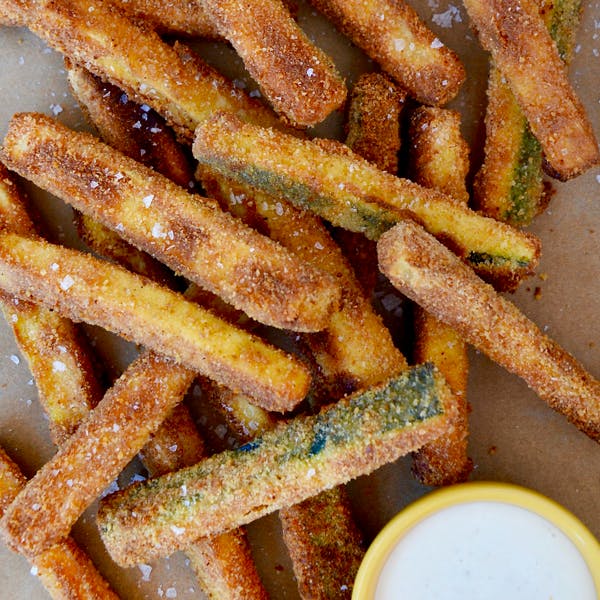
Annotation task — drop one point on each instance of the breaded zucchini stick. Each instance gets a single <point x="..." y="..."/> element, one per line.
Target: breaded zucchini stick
<point x="297" y="77"/>
<point x="177" y="84"/>
<point x="355" y="350"/>
<point x="189" y="234"/>
<point x="140" y="133"/>
<point x="286" y="465"/>
<point x="350" y="192"/>
<point x="391" y="33"/>
<point x="87" y="289"/>
<point x="522" y="49"/>
<point x="373" y="132"/>
<point x="65" y="570"/>
<point x="439" y="158"/>
<point x="109" y="437"/>
<point x="55" y="350"/>
<point x="509" y="186"/>
<point x="373" y="122"/>
<point x="428" y="273"/>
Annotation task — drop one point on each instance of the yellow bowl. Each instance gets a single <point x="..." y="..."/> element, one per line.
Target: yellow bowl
<point x="464" y="494"/>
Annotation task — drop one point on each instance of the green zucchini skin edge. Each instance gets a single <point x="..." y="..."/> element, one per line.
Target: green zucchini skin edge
<point x="368" y="428"/>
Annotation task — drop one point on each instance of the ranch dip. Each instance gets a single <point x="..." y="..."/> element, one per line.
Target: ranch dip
<point x="485" y="550"/>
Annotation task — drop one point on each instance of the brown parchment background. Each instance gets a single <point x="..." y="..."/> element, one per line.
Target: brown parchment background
<point x="515" y="437"/>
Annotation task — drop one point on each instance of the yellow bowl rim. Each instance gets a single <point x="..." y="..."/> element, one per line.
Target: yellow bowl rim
<point x="464" y="493"/>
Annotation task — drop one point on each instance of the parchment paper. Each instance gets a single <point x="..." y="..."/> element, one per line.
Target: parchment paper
<point x="515" y="437"/>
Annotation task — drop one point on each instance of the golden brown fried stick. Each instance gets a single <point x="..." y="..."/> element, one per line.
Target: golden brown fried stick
<point x="189" y="234"/>
<point x="140" y="133"/>
<point x="431" y="275"/>
<point x="439" y="155"/>
<point x="509" y="186"/>
<point x="297" y="77"/>
<point x="65" y="570"/>
<point x="177" y="84"/>
<point x="350" y="192"/>
<point x="515" y="34"/>
<point x="439" y="158"/>
<point x="286" y="465"/>
<point x="109" y="437"/>
<point x="324" y="543"/>
<point x="55" y="350"/>
<point x="373" y="122"/>
<point x="373" y="132"/>
<point x="85" y="288"/>
<point x="392" y="34"/>
<point x="355" y="350"/>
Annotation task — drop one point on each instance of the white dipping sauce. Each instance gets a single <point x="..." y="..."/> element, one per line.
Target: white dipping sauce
<point x="485" y="551"/>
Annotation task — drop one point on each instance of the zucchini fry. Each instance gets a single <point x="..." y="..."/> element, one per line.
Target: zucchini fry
<point x="391" y="33"/>
<point x="373" y="122"/>
<point x="428" y="273"/>
<point x="509" y="186"/>
<point x="522" y="49"/>
<point x="177" y="84"/>
<point x="286" y="465"/>
<point x="140" y="133"/>
<point x="440" y="159"/>
<point x="350" y="192"/>
<point x="188" y="233"/>
<point x="138" y="309"/>
<point x="373" y="132"/>
<point x="65" y="570"/>
<point x="54" y="348"/>
<point x="298" y="78"/>
<point x="324" y="543"/>
<point x="110" y="436"/>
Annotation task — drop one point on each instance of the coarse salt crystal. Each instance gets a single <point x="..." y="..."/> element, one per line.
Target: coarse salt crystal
<point x="177" y="530"/>
<point x="147" y="200"/>
<point x="58" y="366"/>
<point x="66" y="283"/>
<point x="157" y="231"/>
<point x="146" y="570"/>
<point x="34" y="570"/>
<point x="437" y="43"/>
<point x="399" y="44"/>
<point x="54" y="266"/>
<point x="116" y="427"/>
<point x="171" y="593"/>
<point x="15" y="359"/>
<point x="310" y="71"/>
<point x="56" y="109"/>
<point x="93" y="184"/>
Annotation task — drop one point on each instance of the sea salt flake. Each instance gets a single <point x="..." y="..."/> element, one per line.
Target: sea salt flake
<point x="146" y="570"/>
<point x="147" y="200"/>
<point x="445" y="19"/>
<point x="93" y="184"/>
<point x="171" y="593"/>
<point x="56" y="109"/>
<point x="15" y="359"/>
<point x="157" y="231"/>
<point x="54" y="266"/>
<point x="437" y="43"/>
<point x="58" y="366"/>
<point x="66" y="283"/>
<point x="34" y="570"/>
<point x="177" y="530"/>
